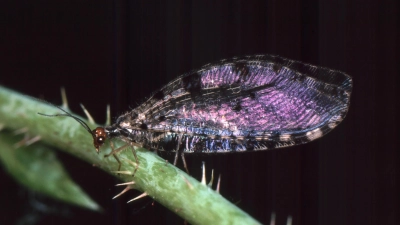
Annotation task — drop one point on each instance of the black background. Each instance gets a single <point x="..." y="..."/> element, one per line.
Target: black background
<point x="119" y="52"/>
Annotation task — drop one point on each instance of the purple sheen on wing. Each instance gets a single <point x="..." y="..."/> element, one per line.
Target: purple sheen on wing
<point x="249" y="103"/>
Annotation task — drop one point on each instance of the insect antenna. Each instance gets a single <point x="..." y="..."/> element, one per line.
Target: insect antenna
<point x="99" y="134"/>
<point x="68" y="115"/>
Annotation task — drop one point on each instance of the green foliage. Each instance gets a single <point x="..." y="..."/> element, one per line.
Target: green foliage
<point x="37" y="168"/>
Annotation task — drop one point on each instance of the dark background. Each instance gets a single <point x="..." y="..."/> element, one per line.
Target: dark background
<point x="119" y="52"/>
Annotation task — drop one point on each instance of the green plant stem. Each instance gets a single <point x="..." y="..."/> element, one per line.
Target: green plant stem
<point x="165" y="183"/>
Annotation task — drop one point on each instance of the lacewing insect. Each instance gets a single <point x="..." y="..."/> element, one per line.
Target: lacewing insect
<point x="250" y="103"/>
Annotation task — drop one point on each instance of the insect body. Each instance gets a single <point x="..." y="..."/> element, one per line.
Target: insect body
<point x="242" y="104"/>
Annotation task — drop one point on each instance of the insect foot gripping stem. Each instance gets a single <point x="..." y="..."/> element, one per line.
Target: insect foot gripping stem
<point x="115" y="151"/>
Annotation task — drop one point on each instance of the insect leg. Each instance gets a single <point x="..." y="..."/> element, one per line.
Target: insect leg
<point x="115" y="151"/>
<point x="176" y="157"/>
<point x="115" y="156"/>
<point x="182" y="154"/>
<point x="136" y="159"/>
<point x="177" y="149"/>
<point x="184" y="162"/>
<point x="156" y="150"/>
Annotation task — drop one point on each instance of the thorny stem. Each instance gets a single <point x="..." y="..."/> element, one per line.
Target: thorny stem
<point x="163" y="182"/>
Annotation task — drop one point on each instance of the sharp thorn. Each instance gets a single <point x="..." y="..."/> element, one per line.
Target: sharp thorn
<point x="122" y="192"/>
<point x="203" y="177"/>
<point x="138" y="197"/>
<point x="127" y="183"/>
<point x="108" y="119"/>
<point x="33" y="140"/>
<point x="289" y="220"/>
<point x="26" y="141"/>
<point x="89" y="117"/>
<point x="22" y="142"/>
<point x="122" y="172"/>
<point x="64" y="99"/>
<point x="187" y="182"/>
<point x="21" y="131"/>
<point x="218" y="184"/>
<point x="212" y="178"/>
<point x="272" y="218"/>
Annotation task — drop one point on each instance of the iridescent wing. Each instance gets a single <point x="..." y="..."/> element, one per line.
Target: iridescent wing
<point x="250" y="103"/>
